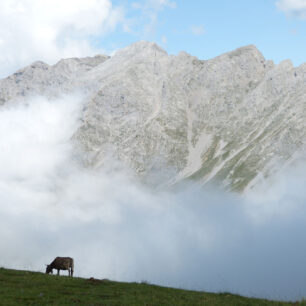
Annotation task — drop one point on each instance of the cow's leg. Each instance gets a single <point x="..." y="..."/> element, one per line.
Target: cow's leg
<point x="71" y="272"/>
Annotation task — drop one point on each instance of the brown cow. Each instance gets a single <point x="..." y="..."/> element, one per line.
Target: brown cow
<point x="61" y="263"/>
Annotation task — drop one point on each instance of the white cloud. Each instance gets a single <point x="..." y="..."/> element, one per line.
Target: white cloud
<point x="293" y="7"/>
<point x="51" y="29"/>
<point x="149" y="15"/>
<point x="116" y="229"/>
<point x="197" y="30"/>
<point x="154" y="4"/>
<point x="163" y="3"/>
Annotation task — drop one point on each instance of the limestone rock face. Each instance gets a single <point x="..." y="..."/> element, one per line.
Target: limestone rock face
<point x="66" y="76"/>
<point x="226" y="120"/>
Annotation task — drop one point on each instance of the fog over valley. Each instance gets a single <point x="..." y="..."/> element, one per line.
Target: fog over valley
<point x="195" y="237"/>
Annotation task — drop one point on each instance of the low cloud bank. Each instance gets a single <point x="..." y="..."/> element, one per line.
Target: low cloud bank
<point x="114" y="228"/>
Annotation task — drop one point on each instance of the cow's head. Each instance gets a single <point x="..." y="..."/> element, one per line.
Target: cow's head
<point x="49" y="269"/>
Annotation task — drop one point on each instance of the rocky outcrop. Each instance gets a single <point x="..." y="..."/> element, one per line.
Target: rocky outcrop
<point x="169" y="118"/>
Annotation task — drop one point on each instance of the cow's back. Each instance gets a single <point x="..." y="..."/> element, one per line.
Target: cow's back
<point x="63" y="263"/>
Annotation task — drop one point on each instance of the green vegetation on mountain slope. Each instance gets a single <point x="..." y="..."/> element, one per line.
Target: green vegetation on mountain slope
<point x="33" y="288"/>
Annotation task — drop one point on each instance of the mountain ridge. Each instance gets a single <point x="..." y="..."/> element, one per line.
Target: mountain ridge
<point x="229" y="120"/>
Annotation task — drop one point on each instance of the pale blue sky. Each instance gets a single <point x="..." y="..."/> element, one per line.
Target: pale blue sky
<point x="208" y="28"/>
<point x="49" y="30"/>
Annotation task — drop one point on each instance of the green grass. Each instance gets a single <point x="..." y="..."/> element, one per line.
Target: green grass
<point x="33" y="288"/>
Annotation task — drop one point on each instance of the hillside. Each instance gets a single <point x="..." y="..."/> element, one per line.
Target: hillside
<point x="230" y="120"/>
<point x="33" y="288"/>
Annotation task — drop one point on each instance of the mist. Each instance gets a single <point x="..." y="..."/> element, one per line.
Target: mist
<point x="192" y="238"/>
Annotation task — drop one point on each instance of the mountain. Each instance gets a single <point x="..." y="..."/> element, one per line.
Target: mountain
<point x="230" y="120"/>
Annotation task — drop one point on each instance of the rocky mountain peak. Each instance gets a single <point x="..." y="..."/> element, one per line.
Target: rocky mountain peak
<point x="228" y="120"/>
<point x="142" y="47"/>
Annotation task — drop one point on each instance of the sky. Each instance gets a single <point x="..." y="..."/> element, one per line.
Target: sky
<point x="49" y="30"/>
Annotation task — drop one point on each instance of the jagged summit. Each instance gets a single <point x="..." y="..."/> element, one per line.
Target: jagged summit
<point x="231" y="120"/>
<point x="142" y="46"/>
<point x="249" y="49"/>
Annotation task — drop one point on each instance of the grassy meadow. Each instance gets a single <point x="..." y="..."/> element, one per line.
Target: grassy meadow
<point x="34" y="288"/>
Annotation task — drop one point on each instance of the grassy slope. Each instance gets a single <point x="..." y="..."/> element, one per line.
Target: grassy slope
<point x="32" y="288"/>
